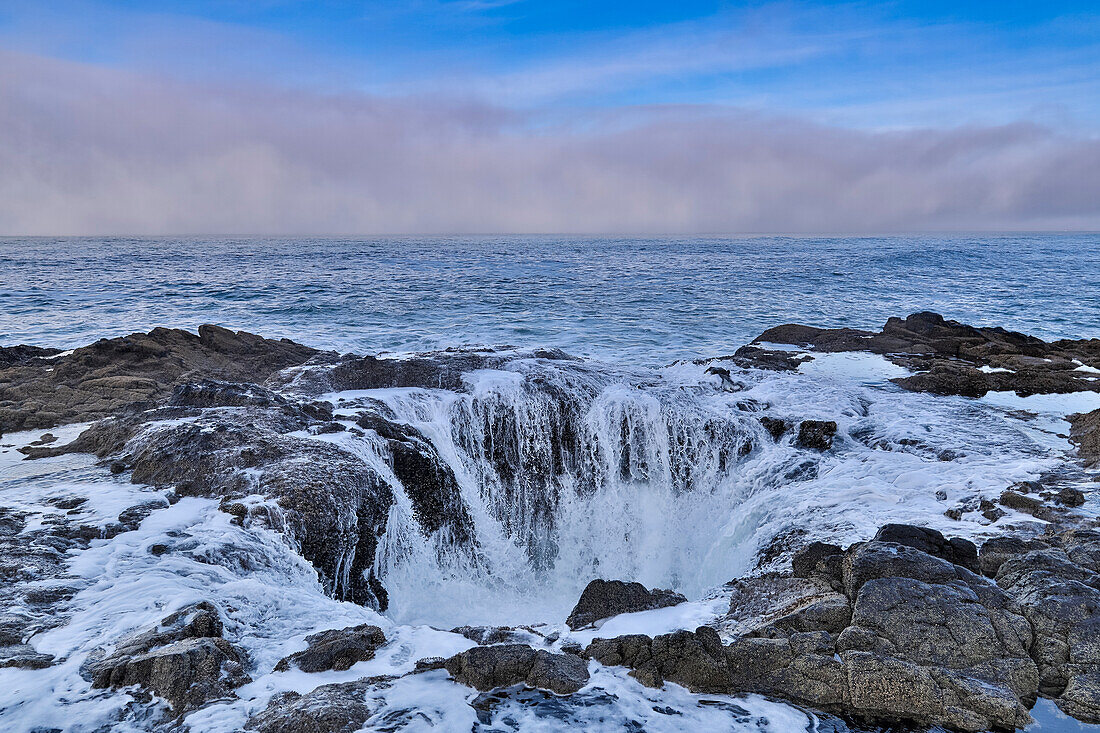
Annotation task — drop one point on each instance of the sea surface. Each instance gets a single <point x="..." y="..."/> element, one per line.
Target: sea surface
<point x="678" y="485"/>
<point x="643" y="301"/>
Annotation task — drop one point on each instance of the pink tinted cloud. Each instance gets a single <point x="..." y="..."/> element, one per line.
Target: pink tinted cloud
<point x="87" y="150"/>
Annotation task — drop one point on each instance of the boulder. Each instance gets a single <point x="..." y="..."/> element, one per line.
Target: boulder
<point x="604" y="598"/>
<point x="955" y="550"/>
<point x="337" y="708"/>
<point x="183" y="659"/>
<point x="816" y="434"/>
<point x="503" y="665"/>
<point x="336" y="649"/>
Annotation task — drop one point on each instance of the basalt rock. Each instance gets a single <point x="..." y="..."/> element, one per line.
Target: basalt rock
<point x="96" y="380"/>
<point x="337" y="708"/>
<point x="503" y="665"/>
<point x="604" y="598"/>
<point x="913" y="637"/>
<point x="336" y="649"/>
<point x="816" y="434"/>
<point x="1085" y="434"/>
<point x="952" y="358"/>
<point x="184" y="660"/>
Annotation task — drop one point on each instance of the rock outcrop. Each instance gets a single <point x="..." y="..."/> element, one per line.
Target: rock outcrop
<point x="952" y="358"/>
<point x="503" y="665"/>
<point x="184" y="660"/>
<point x="41" y="388"/>
<point x="604" y="598"/>
<point x="895" y="629"/>
<point x="335" y="649"/>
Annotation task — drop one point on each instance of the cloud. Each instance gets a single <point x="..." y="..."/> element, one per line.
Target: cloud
<point x="88" y="150"/>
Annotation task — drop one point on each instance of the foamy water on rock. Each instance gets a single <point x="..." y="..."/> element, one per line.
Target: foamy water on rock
<point x="570" y="470"/>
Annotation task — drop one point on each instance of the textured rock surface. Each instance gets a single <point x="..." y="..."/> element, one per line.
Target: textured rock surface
<point x="336" y="649"/>
<point x="948" y="355"/>
<point x="503" y="665"/>
<point x="184" y="660"/>
<point x="604" y="598"/>
<point x="96" y="380"/>
<point x="338" y="708"/>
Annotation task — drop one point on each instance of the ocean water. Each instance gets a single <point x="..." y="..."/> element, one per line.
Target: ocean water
<point x="643" y="301"/>
<point x="677" y="485"/>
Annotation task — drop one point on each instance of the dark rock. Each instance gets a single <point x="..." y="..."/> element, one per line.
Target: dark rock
<point x="995" y="551"/>
<point x="187" y="673"/>
<point x="336" y="649"/>
<point x="604" y="598"/>
<point x="820" y="560"/>
<point x="503" y="665"/>
<point x="1019" y="502"/>
<point x="775" y="426"/>
<point x="816" y="434"/>
<point x="337" y="708"/>
<point x="24" y="656"/>
<point x="1085" y="434"/>
<point x="96" y="380"/>
<point x="485" y="635"/>
<point x="956" y="550"/>
<point x="1071" y="497"/>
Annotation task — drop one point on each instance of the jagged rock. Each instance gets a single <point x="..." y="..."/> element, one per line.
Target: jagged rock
<point x="336" y="649"/>
<point x="1062" y="602"/>
<point x="816" y="434"/>
<point x="775" y="426"/>
<point x="948" y="355"/>
<point x="502" y="665"/>
<point x="995" y="551"/>
<point x="96" y="380"/>
<point x="604" y="598"/>
<point x="188" y="673"/>
<point x="955" y="550"/>
<point x="820" y="560"/>
<point x="337" y="708"/>
<point x="695" y="660"/>
<point x="1085" y="434"/>
<point x="183" y="659"/>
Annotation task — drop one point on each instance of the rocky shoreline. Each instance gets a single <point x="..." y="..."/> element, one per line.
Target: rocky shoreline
<point x="909" y="627"/>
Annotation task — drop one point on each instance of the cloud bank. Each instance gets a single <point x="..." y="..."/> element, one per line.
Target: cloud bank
<point x="90" y="150"/>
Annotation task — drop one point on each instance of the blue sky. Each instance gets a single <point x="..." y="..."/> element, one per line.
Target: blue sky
<point x="496" y="95"/>
<point x="864" y="64"/>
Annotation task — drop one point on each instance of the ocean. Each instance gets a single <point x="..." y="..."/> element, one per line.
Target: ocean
<point x="629" y="300"/>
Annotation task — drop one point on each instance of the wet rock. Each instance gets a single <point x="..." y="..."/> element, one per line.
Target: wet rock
<point x="485" y="635"/>
<point x="816" y="434"/>
<point x="776" y="605"/>
<point x="775" y="426"/>
<point x="820" y="560"/>
<point x="695" y="660"/>
<point x="1071" y="497"/>
<point x="604" y="598"/>
<point x="183" y="659"/>
<point x="188" y="673"/>
<point x="1021" y="503"/>
<point x="503" y="665"/>
<point x="995" y="551"/>
<point x="337" y="708"/>
<point x="336" y="649"/>
<point x="96" y="380"/>
<point x="955" y="550"/>
<point x="1085" y="434"/>
<point x="948" y="355"/>
<point x="24" y="656"/>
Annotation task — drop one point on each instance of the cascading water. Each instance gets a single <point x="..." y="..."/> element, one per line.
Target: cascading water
<point x="574" y="470"/>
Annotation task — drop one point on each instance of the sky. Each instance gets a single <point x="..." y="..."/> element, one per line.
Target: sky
<point x="290" y="117"/>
